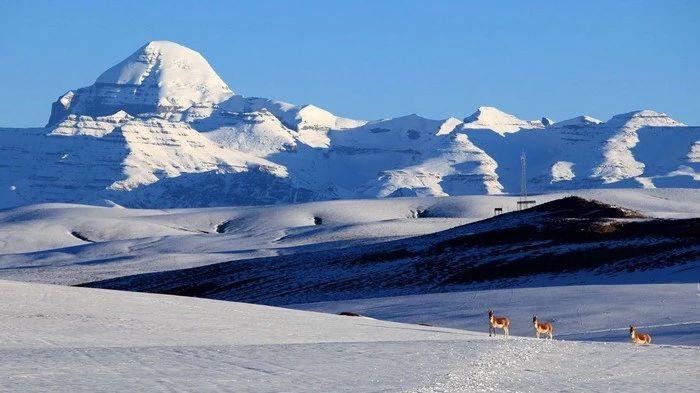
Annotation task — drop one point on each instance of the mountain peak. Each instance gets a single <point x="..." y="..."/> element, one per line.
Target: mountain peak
<point x="486" y="112"/>
<point x="181" y="75"/>
<point x="577" y="122"/>
<point x="488" y="117"/>
<point x="160" y="77"/>
<point x="641" y="118"/>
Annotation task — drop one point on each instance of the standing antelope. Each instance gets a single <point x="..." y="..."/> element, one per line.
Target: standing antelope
<point x="545" y="328"/>
<point x="498" y="323"/>
<point x="639" y="338"/>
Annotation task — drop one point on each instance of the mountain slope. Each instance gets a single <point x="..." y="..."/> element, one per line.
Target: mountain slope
<point x="85" y="159"/>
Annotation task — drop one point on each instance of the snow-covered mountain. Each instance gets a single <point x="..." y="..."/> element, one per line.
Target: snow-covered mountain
<point x="161" y="129"/>
<point x="161" y="77"/>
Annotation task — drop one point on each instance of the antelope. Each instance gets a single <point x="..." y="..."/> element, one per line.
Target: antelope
<point x="639" y="338"/>
<point x="498" y="323"/>
<point x="542" y="328"/>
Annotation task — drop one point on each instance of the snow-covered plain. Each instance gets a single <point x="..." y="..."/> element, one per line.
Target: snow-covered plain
<point x="79" y="339"/>
<point x="71" y="244"/>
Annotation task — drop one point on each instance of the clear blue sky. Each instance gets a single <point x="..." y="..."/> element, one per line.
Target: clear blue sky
<point x="375" y="59"/>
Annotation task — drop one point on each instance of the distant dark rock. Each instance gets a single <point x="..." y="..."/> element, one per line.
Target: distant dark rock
<point x="81" y="237"/>
<point x="577" y="207"/>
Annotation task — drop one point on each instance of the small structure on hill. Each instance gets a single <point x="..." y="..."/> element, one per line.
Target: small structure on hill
<point x="523" y="202"/>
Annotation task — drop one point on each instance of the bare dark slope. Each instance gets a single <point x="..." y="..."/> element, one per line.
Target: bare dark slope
<point x="553" y="240"/>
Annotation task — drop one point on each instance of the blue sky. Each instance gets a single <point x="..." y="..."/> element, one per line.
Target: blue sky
<point x="376" y="59"/>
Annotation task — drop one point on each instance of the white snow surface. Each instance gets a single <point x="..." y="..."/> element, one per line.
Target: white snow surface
<point x="259" y="133"/>
<point x="562" y="171"/>
<point x="82" y="339"/>
<point x="79" y="339"/>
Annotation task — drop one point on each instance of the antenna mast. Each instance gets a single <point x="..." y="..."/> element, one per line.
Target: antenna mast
<point x="523" y="182"/>
<point x="523" y="202"/>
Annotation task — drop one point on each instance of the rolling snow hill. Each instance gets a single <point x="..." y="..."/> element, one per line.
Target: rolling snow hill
<point x="83" y="340"/>
<point x="73" y="244"/>
<point x="161" y="130"/>
<point x="562" y="242"/>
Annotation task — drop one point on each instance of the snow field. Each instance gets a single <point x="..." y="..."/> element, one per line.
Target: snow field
<point x="81" y="339"/>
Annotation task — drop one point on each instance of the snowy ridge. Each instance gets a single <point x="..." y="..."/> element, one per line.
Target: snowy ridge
<point x="181" y="76"/>
<point x="207" y="139"/>
<point x="577" y="122"/>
